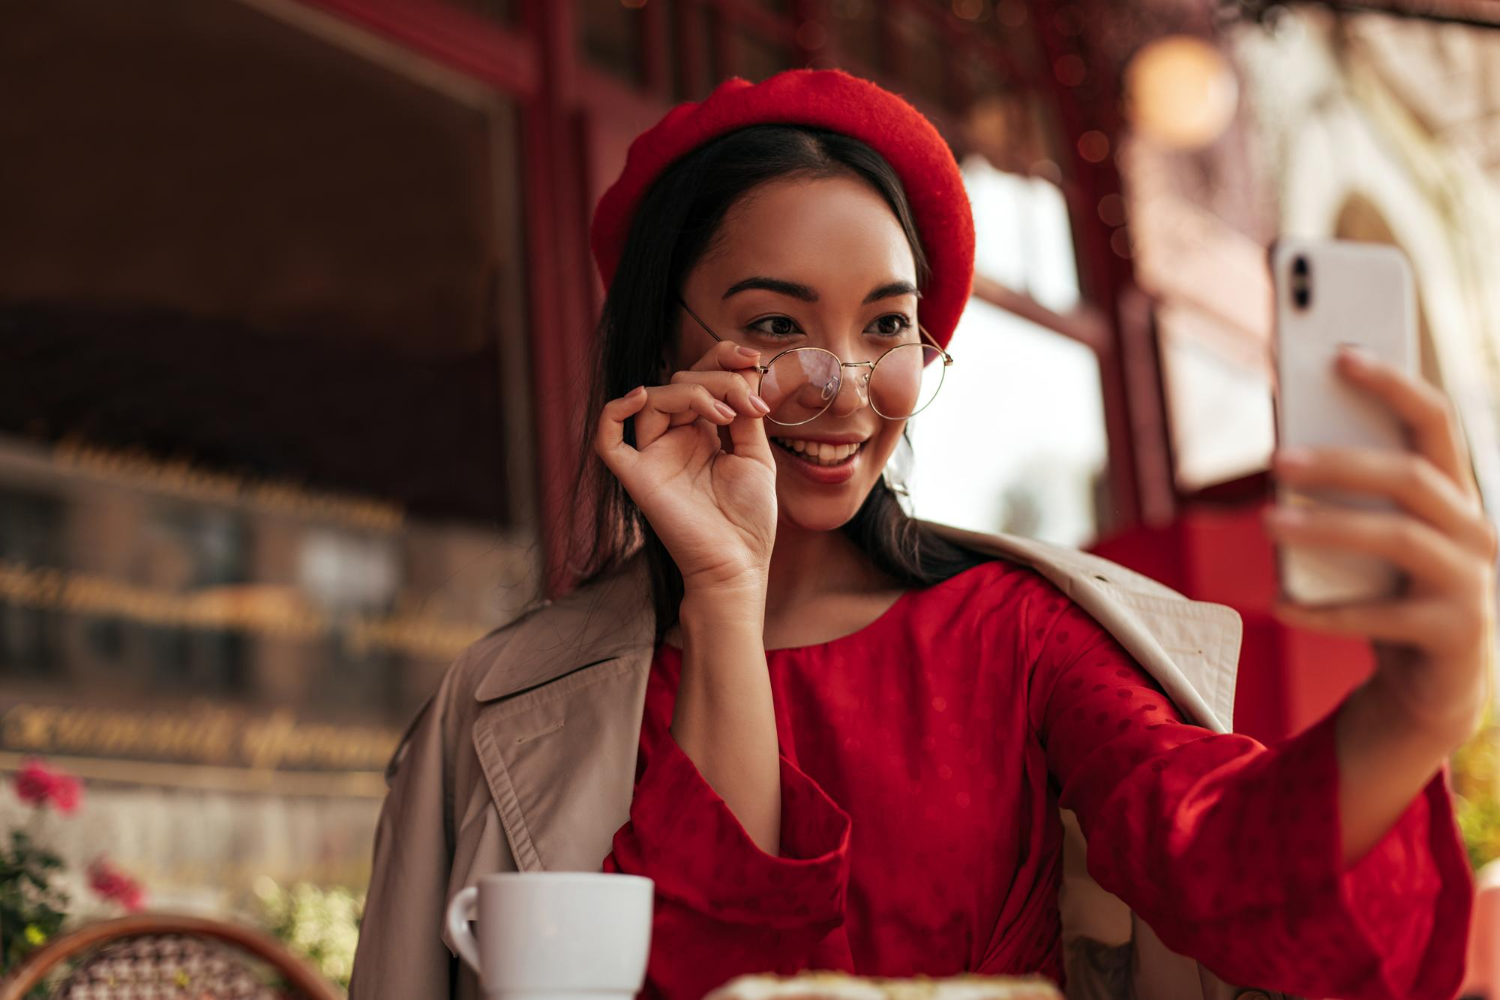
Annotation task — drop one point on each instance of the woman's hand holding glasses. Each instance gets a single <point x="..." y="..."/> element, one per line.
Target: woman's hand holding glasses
<point x="714" y="509"/>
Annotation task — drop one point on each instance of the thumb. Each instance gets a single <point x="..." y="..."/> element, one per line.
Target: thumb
<point x="748" y="434"/>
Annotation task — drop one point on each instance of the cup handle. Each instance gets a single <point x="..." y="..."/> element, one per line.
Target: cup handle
<point x="460" y="912"/>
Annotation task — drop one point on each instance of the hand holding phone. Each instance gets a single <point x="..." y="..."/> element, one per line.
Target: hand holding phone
<point x="1330" y="294"/>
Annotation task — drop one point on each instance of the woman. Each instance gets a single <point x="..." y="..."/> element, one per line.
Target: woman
<point x="854" y="730"/>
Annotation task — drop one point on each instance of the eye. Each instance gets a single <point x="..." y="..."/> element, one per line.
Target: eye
<point x="775" y="326"/>
<point x="890" y="325"/>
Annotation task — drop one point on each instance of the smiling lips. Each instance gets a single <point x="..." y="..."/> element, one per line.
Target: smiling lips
<point x="820" y="453"/>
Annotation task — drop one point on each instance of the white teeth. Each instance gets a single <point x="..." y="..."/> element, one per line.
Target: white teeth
<point x="820" y="452"/>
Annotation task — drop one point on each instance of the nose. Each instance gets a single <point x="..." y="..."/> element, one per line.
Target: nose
<point x="853" y="392"/>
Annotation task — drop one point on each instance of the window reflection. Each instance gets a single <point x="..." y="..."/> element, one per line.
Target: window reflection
<point x="30" y="535"/>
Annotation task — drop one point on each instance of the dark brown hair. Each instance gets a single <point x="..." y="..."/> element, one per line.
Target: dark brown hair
<point x="676" y="223"/>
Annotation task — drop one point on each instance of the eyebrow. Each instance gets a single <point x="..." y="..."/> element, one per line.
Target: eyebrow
<point x="805" y="293"/>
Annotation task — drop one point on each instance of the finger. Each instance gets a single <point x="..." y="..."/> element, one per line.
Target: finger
<point x="609" y="436"/>
<point x="1409" y="479"/>
<point x="1434" y="625"/>
<point x="748" y="435"/>
<point x="1424" y="409"/>
<point x="671" y="406"/>
<point x="727" y="356"/>
<point x="1420" y="549"/>
<point x="727" y="386"/>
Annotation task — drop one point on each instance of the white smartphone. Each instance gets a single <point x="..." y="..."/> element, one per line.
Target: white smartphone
<point x="1330" y="293"/>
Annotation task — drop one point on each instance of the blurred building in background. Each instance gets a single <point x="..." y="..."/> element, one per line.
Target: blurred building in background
<point x="295" y="296"/>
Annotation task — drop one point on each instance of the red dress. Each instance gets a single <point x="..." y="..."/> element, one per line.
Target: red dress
<point x="923" y="760"/>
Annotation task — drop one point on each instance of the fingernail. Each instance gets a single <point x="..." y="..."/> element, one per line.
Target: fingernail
<point x="725" y="409"/>
<point x="635" y="392"/>
<point x="1355" y="356"/>
<point x="748" y="352"/>
<point x="761" y="406"/>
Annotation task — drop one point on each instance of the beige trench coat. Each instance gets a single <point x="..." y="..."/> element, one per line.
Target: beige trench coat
<point x="525" y="760"/>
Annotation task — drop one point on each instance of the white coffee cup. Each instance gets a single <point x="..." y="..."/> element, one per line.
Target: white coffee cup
<point x="555" y="935"/>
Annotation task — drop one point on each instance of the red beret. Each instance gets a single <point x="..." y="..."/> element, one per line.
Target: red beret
<point x="833" y="100"/>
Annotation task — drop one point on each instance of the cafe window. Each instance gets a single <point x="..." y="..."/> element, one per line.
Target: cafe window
<point x="1016" y="441"/>
<point x="1022" y="235"/>
<point x="297" y="265"/>
<point x="180" y="550"/>
<point x="30" y="540"/>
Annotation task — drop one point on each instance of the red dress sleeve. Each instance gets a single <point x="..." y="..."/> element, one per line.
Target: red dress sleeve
<point x="724" y="906"/>
<point x="1231" y="850"/>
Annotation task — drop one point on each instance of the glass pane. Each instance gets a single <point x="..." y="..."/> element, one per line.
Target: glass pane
<point x="1022" y="236"/>
<point x="610" y="33"/>
<point x="1016" y="440"/>
<point x="1218" y="393"/>
<point x="31" y="527"/>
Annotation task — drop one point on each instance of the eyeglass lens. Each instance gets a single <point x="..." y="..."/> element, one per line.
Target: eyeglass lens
<point x="804" y="382"/>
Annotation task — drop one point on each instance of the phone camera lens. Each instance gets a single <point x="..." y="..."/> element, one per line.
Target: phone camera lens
<point x="1301" y="283"/>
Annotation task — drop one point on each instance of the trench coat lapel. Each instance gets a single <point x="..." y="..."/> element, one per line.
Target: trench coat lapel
<point x="558" y="733"/>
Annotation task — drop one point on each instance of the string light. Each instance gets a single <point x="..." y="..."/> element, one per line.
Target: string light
<point x="1180" y="92"/>
<point x="1070" y="70"/>
<point x="1093" y="146"/>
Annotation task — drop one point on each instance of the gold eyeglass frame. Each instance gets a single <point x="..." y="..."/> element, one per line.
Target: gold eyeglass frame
<point x="865" y="386"/>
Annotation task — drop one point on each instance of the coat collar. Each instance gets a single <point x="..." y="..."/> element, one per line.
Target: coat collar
<point x="609" y="619"/>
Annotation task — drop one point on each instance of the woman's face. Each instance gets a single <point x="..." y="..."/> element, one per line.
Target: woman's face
<point x="812" y="262"/>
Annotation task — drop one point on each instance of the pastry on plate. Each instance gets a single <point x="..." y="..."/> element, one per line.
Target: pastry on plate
<point x="841" y="986"/>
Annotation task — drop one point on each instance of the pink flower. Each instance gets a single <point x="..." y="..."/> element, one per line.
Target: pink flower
<point x="39" y="785"/>
<point x="113" y="885"/>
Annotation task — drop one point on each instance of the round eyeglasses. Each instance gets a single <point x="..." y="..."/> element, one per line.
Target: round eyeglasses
<point x="800" y="383"/>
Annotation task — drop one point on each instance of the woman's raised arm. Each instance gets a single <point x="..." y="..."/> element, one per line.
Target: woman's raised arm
<point x="715" y="511"/>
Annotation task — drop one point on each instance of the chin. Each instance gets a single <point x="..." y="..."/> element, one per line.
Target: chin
<point x="821" y="513"/>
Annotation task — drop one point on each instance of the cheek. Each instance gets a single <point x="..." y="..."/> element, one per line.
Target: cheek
<point x="884" y="444"/>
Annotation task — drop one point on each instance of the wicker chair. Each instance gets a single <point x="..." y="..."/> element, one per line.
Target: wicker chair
<point x="164" y="957"/>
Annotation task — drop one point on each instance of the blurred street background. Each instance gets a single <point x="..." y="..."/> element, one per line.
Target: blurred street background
<point x="295" y="296"/>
